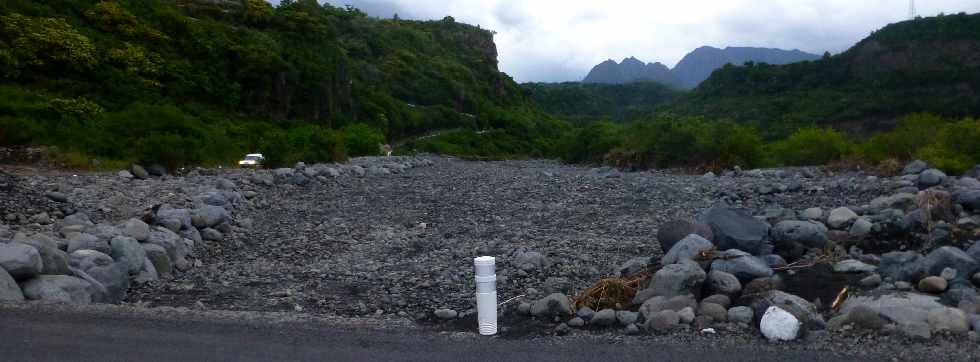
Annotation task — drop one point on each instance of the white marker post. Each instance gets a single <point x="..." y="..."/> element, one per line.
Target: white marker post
<point x="486" y="294"/>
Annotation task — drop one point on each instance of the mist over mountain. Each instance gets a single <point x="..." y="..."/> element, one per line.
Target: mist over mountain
<point x="693" y="69"/>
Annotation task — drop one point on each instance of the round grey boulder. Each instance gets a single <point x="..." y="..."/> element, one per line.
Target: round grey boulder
<point x="841" y="217"/>
<point x="54" y="260"/>
<point x="948" y="319"/>
<point x="129" y="252"/>
<point x="9" y="290"/>
<point x="553" y="305"/>
<point x="715" y="311"/>
<point x="662" y="321"/>
<point x="446" y="314"/>
<point x="720" y="282"/>
<point x="85" y="241"/>
<point x="136" y="229"/>
<point x="158" y="256"/>
<point x="931" y="177"/>
<point x="20" y="261"/>
<point x="603" y="318"/>
<point x="948" y="257"/>
<point x="860" y="228"/>
<point x="742" y="265"/>
<point x="811" y="234"/>
<point x="737" y="229"/>
<point x="686" y="249"/>
<point x="673" y="231"/>
<point x="683" y="278"/>
<point x="740" y="314"/>
<point x="915" y="167"/>
<point x="57" y="288"/>
<point x="208" y="216"/>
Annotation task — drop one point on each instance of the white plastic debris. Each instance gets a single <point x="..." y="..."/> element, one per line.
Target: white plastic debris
<point x="779" y="325"/>
<point x="709" y="331"/>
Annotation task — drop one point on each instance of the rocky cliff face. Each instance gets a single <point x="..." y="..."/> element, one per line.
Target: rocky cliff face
<point x="694" y="68"/>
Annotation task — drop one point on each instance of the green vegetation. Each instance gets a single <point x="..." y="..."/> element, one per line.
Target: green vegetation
<point x="203" y="82"/>
<point x="913" y="66"/>
<point x="664" y="141"/>
<point x="581" y="103"/>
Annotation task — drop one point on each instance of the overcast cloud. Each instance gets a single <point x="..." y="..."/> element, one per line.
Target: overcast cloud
<point x="560" y="40"/>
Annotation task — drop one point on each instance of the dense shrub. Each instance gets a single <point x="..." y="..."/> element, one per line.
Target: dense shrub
<point x="810" y="146"/>
<point x="362" y="140"/>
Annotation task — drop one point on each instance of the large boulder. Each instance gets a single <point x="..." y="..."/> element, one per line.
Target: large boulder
<point x="176" y="249"/>
<point x="128" y="251"/>
<point x="673" y="231"/>
<point x="720" y="282"/>
<point x="901" y="201"/>
<point x="931" y="177"/>
<point x="87" y="259"/>
<point x="634" y="266"/>
<point x="947" y="319"/>
<point x="899" y="265"/>
<point x="737" y="229"/>
<point x="148" y="272"/>
<point x="682" y="278"/>
<point x="76" y="219"/>
<point x="686" y="249"/>
<point x="902" y="308"/>
<point x="114" y="280"/>
<point x="208" y="216"/>
<point x="58" y="289"/>
<point x="811" y="234"/>
<point x="139" y="172"/>
<point x="915" y="167"/>
<point x="20" y="260"/>
<point x="556" y="304"/>
<point x="9" y="290"/>
<point x="974" y="251"/>
<point x="104" y="232"/>
<point x="136" y="229"/>
<point x="841" y="217"/>
<point x="55" y="260"/>
<point x="742" y="265"/>
<point x="85" y="241"/>
<point x="762" y="301"/>
<point x="159" y="258"/>
<point x="660" y="303"/>
<point x="174" y="218"/>
<point x="970" y="200"/>
<point x="948" y="257"/>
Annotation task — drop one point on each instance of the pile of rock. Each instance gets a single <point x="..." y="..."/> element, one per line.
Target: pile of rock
<point x="302" y="174"/>
<point x="80" y="261"/>
<point x="727" y="268"/>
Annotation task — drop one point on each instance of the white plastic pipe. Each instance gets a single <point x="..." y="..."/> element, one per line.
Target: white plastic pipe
<point x="486" y="294"/>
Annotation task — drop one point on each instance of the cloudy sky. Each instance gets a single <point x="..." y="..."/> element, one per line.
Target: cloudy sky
<point x="559" y="40"/>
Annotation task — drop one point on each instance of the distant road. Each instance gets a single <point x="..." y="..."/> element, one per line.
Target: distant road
<point x="39" y="334"/>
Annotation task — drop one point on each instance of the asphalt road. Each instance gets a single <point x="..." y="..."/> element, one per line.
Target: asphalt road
<point x="52" y="335"/>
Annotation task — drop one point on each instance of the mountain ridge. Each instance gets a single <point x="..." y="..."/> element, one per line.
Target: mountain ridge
<point x="693" y="68"/>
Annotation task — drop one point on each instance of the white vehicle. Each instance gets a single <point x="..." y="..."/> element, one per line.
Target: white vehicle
<point x="253" y="160"/>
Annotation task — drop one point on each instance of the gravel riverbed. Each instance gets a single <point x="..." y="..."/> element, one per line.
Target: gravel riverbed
<point x="381" y="241"/>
